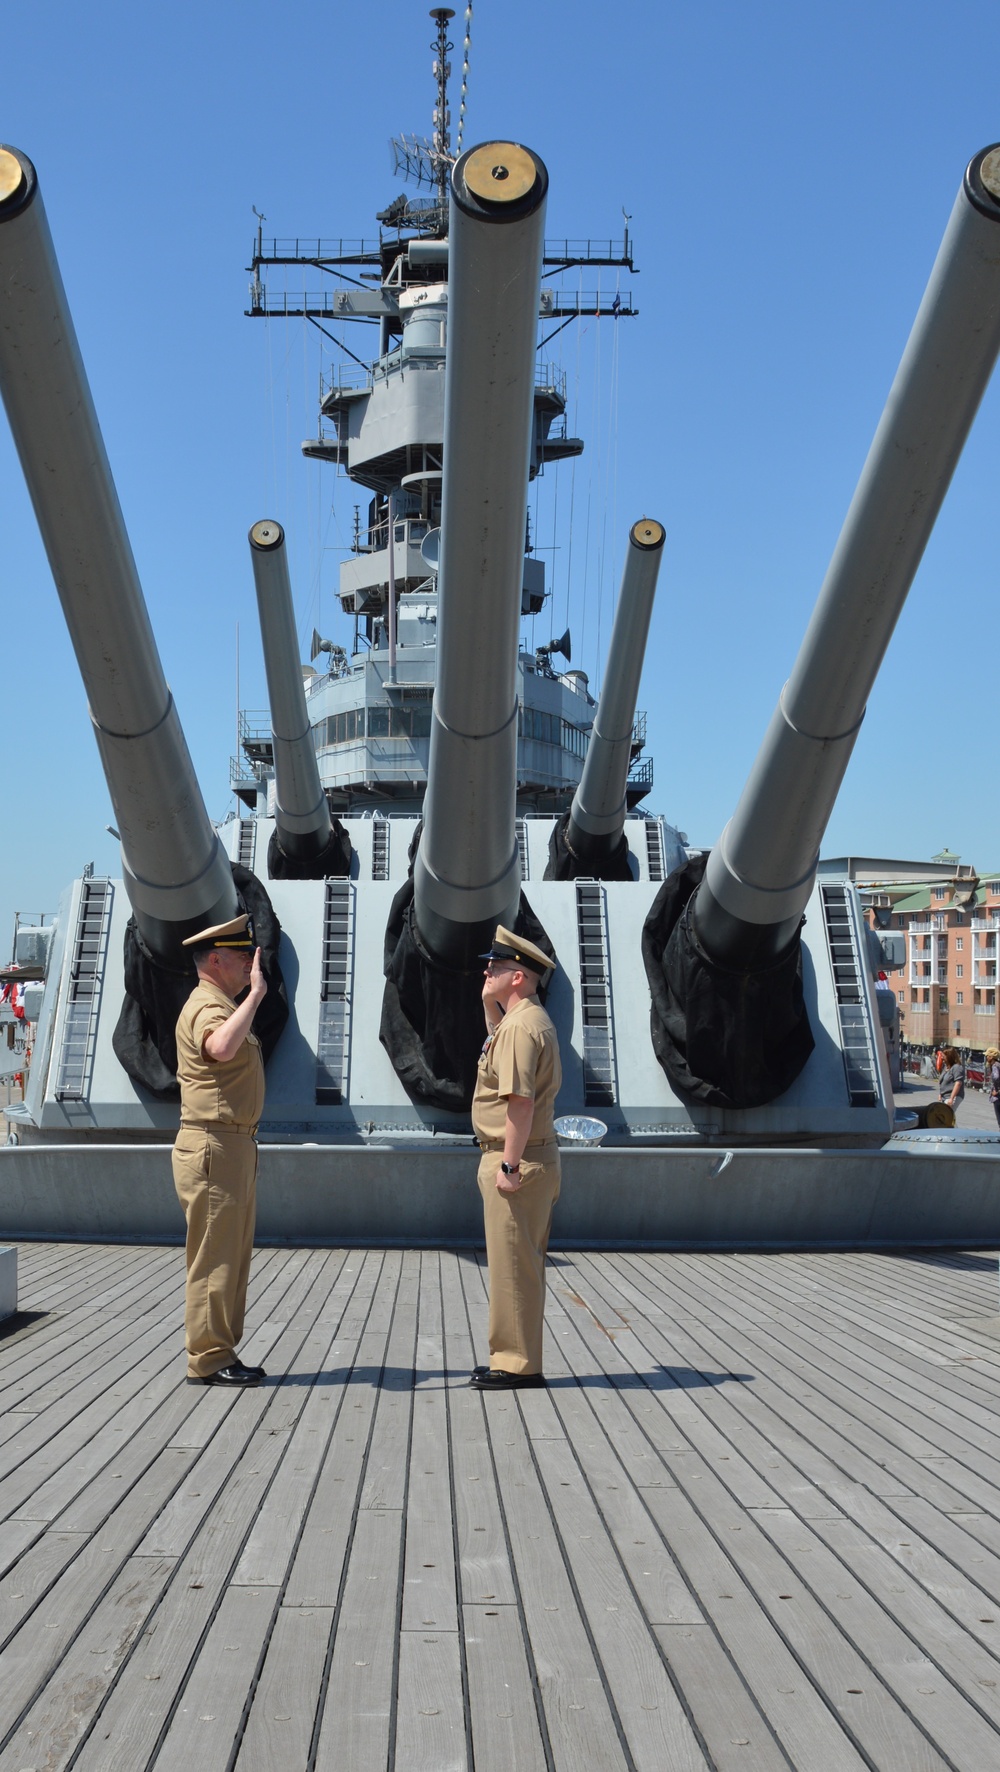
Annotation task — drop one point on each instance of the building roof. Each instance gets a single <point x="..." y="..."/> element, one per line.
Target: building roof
<point x="870" y="870"/>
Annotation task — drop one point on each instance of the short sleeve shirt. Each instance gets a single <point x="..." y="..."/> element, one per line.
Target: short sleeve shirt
<point x="216" y="1094"/>
<point x="954" y="1074"/>
<point x="520" y="1058"/>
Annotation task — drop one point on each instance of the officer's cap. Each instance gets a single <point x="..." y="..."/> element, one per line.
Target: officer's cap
<point x="237" y="933"/>
<point x="514" y="947"/>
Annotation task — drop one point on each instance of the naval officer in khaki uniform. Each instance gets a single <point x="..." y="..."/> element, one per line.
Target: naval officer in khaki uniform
<point x="221" y="1074"/>
<point x="516" y="1087"/>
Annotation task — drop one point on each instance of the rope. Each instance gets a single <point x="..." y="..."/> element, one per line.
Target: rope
<point x="465" y="79"/>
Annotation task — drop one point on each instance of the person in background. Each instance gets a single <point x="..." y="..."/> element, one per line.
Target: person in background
<point x="951" y="1081"/>
<point x="991" y="1077"/>
<point x="517" y="1083"/>
<point x="221" y="1074"/>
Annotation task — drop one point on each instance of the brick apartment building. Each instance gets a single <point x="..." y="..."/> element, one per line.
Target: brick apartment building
<point x="947" y="986"/>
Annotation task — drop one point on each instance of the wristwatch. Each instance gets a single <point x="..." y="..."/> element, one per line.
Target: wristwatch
<point x="510" y="1168"/>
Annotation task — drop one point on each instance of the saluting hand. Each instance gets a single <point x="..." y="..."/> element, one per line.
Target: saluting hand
<point x="258" y="983"/>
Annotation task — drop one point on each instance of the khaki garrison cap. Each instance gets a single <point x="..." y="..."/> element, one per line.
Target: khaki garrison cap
<point x="236" y="934"/>
<point x="514" y="947"/>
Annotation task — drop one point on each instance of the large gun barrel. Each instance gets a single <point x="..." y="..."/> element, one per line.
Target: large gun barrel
<point x="176" y="872"/>
<point x="759" y="876"/>
<point x="301" y="814"/>
<point x="597" y="815"/>
<point x="466" y="874"/>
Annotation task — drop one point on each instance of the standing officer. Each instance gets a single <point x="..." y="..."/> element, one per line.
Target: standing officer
<point x="519" y="1078"/>
<point x="221" y="1074"/>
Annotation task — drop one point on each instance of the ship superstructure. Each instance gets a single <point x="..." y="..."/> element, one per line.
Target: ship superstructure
<point x="383" y="423"/>
<point x="438" y="777"/>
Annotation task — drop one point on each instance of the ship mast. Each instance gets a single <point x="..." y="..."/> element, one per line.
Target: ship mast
<point x="441" y="138"/>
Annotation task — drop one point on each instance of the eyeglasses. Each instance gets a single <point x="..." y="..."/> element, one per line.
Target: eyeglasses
<point x="501" y="966"/>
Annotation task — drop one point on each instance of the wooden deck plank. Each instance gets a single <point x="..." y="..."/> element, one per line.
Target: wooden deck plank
<point x="981" y="1745"/>
<point x="69" y="1435"/>
<point x="62" y="1352"/>
<point x="502" y="1694"/>
<point x="356" y="1726"/>
<point x="784" y="1402"/>
<point x="938" y="1708"/>
<point x="386" y="1470"/>
<point x="734" y="1729"/>
<point x="485" y="1571"/>
<point x="796" y="1391"/>
<point x="429" y="1733"/>
<point x="797" y="1710"/>
<point x="279" y="1729"/>
<point x="65" y="1708"/>
<point x="701" y="1359"/>
<point x="949" y="1646"/>
<point x="929" y="1343"/>
<point x="582" y="1731"/>
<point x="33" y="1655"/>
<point x="855" y="1467"/>
<point x="40" y="1562"/>
<point x="663" y="1593"/>
<point x="866" y="1411"/>
<point x="317" y="1571"/>
<point x="790" y="1608"/>
<point x="832" y="1663"/>
<point x="429" y="1579"/>
<point x="213" y="1534"/>
<point x="269" y="1551"/>
<point x="209" y="1716"/>
<point x="652" y="1718"/>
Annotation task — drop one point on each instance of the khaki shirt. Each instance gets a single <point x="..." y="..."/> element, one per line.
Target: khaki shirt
<point x="216" y="1094"/>
<point x="521" y="1058"/>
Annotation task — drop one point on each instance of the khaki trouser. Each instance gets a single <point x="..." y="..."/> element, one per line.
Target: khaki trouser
<point x="215" y="1174"/>
<point x="517" y="1236"/>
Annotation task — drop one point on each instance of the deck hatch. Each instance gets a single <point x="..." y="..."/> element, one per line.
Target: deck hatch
<point x="333" y="1046"/>
<point x="855" y="1032"/>
<point x="599" y="1076"/>
<point x="83" y="997"/>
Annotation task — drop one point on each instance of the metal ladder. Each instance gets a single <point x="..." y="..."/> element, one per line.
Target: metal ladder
<point x="599" y="1082"/>
<point x="855" y="1029"/>
<point x="83" y="1001"/>
<point x="380" y="849"/>
<point x="654" y="848"/>
<point x="522" y="848"/>
<point x="248" y="842"/>
<point x="333" y="1046"/>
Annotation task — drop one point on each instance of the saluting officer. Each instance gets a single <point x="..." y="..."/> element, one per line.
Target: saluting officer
<point x="221" y="1074"/>
<point x="518" y="1080"/>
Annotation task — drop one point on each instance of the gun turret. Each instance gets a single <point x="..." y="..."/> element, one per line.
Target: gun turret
<point x="591" y="839"/>
<point x="745" y="916"/>
<point x="466" y="874"/>
<point x="176" y="872"/>
<point x="306" y="844"/>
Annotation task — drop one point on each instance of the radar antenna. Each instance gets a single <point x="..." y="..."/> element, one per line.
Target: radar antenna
<point x="429" y="161"/>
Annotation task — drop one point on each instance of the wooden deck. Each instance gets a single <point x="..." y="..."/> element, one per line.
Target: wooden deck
<point x="753" y="1522"/>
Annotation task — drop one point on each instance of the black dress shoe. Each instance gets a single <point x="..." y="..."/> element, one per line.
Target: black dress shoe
<point x="483" y="1379"/>
<point x="257" y="1370"/>
<point x="237" y="1376"/>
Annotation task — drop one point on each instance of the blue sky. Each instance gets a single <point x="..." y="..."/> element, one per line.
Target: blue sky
<point x="789" y="171"/>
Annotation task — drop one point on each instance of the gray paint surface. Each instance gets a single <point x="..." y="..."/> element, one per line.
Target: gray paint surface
<point x="8" y="1282"/>
<point x="690" y="1198"/>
